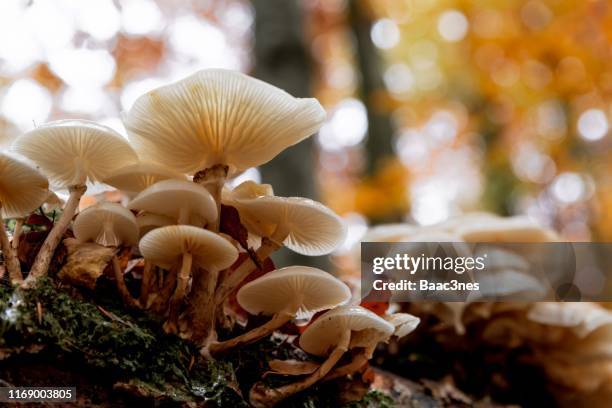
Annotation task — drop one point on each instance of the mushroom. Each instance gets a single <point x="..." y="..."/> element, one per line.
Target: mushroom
<point x="305" y="226"/>
<point x="70" y="153"/>
<point x="582" y="318"/>
<point x="218" y="123"/>
<point x="181" y="200"/>
<point x="404" y="324"/>
<point x="183" y="246"/>
<point x="134" y="178"/>
<point x="286" y="294"/>
<point x="331" y="335"/>
<point x="497" y="229"/>
<point x="219" y="117"/>
<point x="109" y="225"/>
<point x="22" y="190"/>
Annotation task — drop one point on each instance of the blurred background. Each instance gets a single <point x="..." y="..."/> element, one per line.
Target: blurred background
<point x="435" y="107"/>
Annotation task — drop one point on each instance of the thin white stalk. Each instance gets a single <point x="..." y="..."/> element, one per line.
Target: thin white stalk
<point x="179" y="293"/>
<point x="262" y="396"/>
<point x="45" y="255"/>
<point x="17" y="233"/>
<point x="252" y="335"/>
<point x="10" y="255"/>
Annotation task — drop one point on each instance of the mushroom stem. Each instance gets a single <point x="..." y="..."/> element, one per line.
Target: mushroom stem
<point x="206" y="313"/>
<point x="179" y="293"/>
<point x="262" y="396"/>
<point x="248" y="266"/>
<point x="17" y="233"/>
<point x="43" y="259"/>
<point x="252" y="335"/>
<point x="168" y="283"/>
<point x="357" y="363"/>
<point x="213" y="179"/>
<point x="147" y="282"/>
<point x="10" y="255"/>
<point x="121" y="287"/>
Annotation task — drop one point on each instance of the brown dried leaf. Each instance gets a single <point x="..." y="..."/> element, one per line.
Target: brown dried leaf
<point x="230" y="224"/>
<point x="291" y="367"/>
<point x="86" y="263"/>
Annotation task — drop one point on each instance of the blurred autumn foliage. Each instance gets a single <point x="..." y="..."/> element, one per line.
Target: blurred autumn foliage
<point x="435" y="108"/>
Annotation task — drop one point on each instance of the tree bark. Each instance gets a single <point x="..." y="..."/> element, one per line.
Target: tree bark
<point x="379" y="142"/>
<point x="281" y="58"/>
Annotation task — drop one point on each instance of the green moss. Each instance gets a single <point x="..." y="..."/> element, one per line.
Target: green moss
<point x="130" y="349"/>
<point x="373" y="399"/>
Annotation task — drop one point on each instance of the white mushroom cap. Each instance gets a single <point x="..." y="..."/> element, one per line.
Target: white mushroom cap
<point x="295" y="288"/>
<point x="147" y="222"/>
<point x="404" y="323"/>
<point x="134" y="178"/>
<point x="72" y="152"/>
<point x="219" y="117"/>
<point x="53" y="202"/>
<point x="249" y="189"/>
<point x="165" y="247"/>
<point x="389" y="233"/>
<point x="313" y="229"/>
<point x="22" y="188"/>
<point x="107" y="224"/>
<point x="325" y="332"/>
<point x="170" y="197"/>
<point x="513" y="229"/>
<point x="582" y="318"/>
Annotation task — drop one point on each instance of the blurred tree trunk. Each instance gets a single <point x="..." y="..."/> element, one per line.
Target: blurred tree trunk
<point x="281" y="58"/>
<point x="380" y="129"/>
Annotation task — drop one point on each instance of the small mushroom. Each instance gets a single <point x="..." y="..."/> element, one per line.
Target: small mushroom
<point x="70" y="153"/>
<point x="404" y="324"/>
<point x="183" y="246"/>
<point x="182" y="200"/>
<point x="286" y="294"/>
<point x="22" y="190"/>
<point x="330" y="335"/>
<point x="109" y="225"/>
<point x="134" y="178"/>
<point x="305" y="226"/>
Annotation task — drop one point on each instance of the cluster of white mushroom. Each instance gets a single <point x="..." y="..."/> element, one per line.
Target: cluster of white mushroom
<point x="185" y="140"/>
<point x="570" y="341"/>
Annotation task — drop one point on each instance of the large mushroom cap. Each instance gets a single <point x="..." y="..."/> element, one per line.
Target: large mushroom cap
<point x="22" y="188"/>
<point x="165" y="246"/>
<point x="72" y="152"/>
<point x="219" y="117"/>
<point x="170" y="197"/>
<point x="305" y="289"/>
<point x="107" y="224"/>
<point x="313" y="229"/>
<point x="147" y="222"/>
<point x="325" y="332"/>
<point x="513" y="229"/>
<point x="134" y="178"/>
